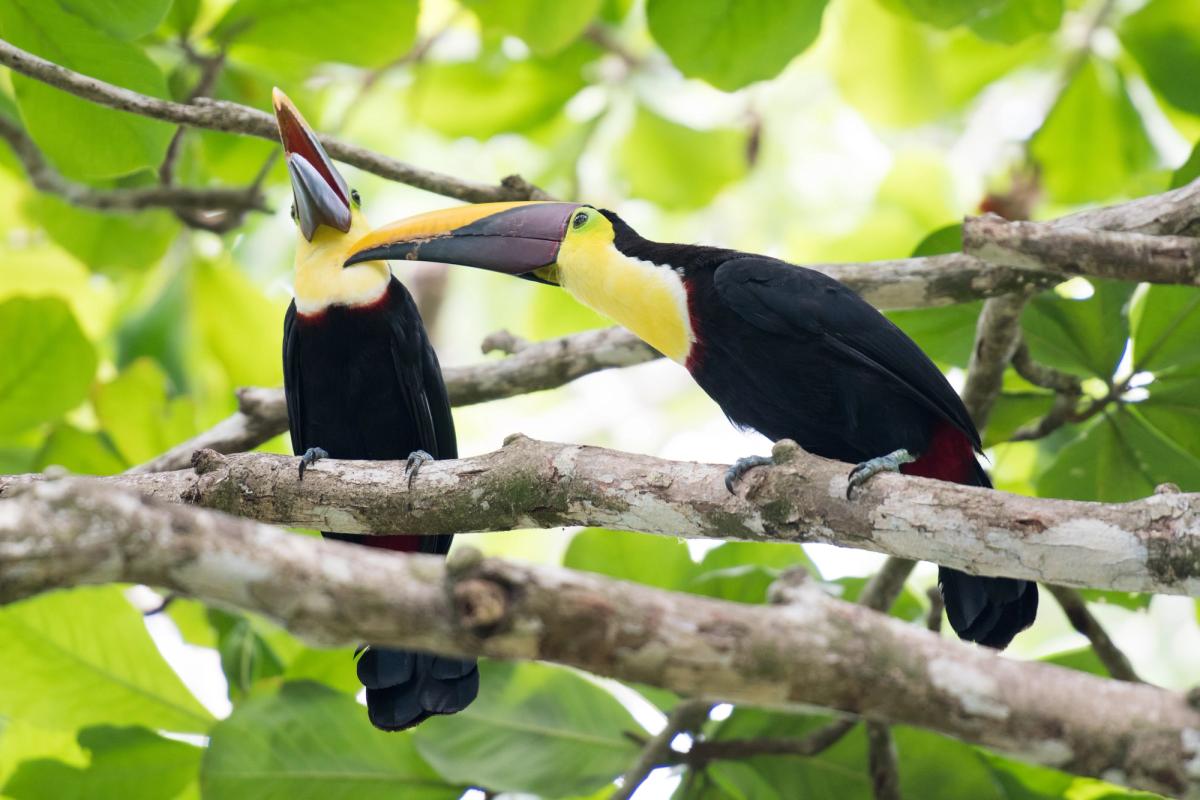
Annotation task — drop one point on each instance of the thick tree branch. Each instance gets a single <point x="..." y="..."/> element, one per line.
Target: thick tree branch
<point x="262" y="413"/>
<point x="1150" y="545"/>
<point x="1155" y="258"/>
<point x="47" y="179"/>
<point x="997" y="334"/>
<point x="56" y="534"/>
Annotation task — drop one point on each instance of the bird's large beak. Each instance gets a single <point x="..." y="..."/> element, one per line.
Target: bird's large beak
<point x="322" y="197"/>
<point x="514" y="238"/>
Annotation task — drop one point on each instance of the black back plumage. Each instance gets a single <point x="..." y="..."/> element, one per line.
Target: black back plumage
<point x="363" y="382"/>
<point x="792" y="353"/>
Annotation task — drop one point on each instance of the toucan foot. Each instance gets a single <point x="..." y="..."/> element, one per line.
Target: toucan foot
<point x="413" y="464"/>
<point x="873" y="466"/>
<point x="311" y="456"/>
<point x="742" y="466"/>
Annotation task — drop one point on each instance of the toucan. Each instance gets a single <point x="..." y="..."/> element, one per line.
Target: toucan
<point x="783" y="350"/>
<point x="362" y="381"/>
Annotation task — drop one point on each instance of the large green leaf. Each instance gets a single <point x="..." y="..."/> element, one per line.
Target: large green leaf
<point x="137" y="415"/>
<point x="125" y="19"/>
<point x="1081" y="336"/>
<point x="83" y="657"/>
<point x="367" y="33"/>
<point x="161" y="330"/>
<point x="946" y="13"/>
<point x="652" y="560"/>
<point x="246" y="657"/>
<point x="84" y="140"/>
<point x="308" y="742"/>
<point x="547" y="26"/>
<point x="679" y="167"/>
<point x="1188" y="171"/>
<point x="48" y="363"/>
<point x="79" y="451"/>
<point x="105" y="242"/>
<point x="743" y="571"/>
<point x="1174" y="409"/>
<point x="1119" y="457"/>
<point x="126" y="764"/>
<point x="1164" y="37"/>
<point x="21" y="741"/>
<point x="1014" y="20"/>
<point x="733" y="43"/>
<point x="1166" y="328"/>
<point x="495" y="94"/>
<point x="1093" y="143"/>
<point x="534" y="728"/>
<point x="231" y="310"/>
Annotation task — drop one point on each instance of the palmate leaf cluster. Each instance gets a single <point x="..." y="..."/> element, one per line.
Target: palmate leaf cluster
<point x="125" y="334"/>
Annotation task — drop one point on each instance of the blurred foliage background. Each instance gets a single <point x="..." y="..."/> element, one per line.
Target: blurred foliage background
<point x="814" y="130"/>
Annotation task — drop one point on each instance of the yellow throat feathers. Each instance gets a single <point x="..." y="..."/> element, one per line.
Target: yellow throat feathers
<point x="647" y="299"/>
<point x="321" y="281"/>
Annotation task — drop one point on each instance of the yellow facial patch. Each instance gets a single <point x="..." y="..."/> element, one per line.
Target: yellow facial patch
<point x="647" y="299"/>
<point x="322" y="281"/>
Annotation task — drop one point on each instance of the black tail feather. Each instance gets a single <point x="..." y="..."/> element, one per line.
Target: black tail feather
<point x="404" y="688"/>
<point x="988" y="611"/>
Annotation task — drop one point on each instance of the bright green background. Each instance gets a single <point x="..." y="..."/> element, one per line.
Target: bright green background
<point x="811" y="129"/>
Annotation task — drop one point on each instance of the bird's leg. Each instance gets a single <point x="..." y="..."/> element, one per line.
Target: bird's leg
<point x="742" y="466"/>
<point x="311" y="456"/>
<point x="873" y="466"/>
<point x="413" y="464"/>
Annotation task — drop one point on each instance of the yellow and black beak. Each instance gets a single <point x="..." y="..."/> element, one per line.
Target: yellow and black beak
<point x="321" y="194"/>
<point x="514" y="238"/>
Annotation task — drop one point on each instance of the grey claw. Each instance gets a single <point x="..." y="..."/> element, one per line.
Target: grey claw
<point x="873" y="466"/>
<point x="412" y="464"/>
<point x="311" y="456"/>
<point x="742" y="466"/>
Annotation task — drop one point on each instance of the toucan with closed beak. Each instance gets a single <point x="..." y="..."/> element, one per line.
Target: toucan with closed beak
<point x="362" y="382"/>
<point x="783" y="350"/>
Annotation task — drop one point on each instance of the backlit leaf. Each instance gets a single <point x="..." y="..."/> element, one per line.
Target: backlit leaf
<point x="1164" y="37"/>
<point x="547" y="26"/>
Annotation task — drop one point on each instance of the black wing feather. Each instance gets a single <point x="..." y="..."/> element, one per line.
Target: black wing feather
<point x="787" y="300"/>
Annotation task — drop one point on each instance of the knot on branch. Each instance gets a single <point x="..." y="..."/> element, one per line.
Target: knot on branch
<point x="480" y="604"/>
<point x="515" y="439"/>
<point x="503" y="341"/>
<point x="205" y="461"/>
<point x="785" y="451"/>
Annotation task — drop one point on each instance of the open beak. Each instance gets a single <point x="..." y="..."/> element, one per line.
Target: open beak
<point x="321" y="194"/>
<point x="513" y="238"/>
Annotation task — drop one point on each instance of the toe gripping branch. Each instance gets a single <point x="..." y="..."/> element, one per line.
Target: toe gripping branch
<point x="412" y="465"/>
<point x="742" y="466"/>
<point x="311" y="456"/>
<point x="873" y="466"/>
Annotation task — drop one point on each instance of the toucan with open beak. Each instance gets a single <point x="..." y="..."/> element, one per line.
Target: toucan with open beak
<point x="784" y="350"/>
<point x="362" y="382"/>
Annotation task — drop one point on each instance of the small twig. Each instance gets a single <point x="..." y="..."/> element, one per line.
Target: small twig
<point x="881" y="758"/>
<point x="1041" y="375"/>
<point x="688" y="715"/>
<point x="814" y="743"/>
<point x="885" y="586"/>
<point x="937" y="606"/>
<point x="1082" y="619"/>
<point x="603" y="36"/>
<point x="997" y="334"/>
<point x="47" y="179"/>
<point x="168" y="598"/>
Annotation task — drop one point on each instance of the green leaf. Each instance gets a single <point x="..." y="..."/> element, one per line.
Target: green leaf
<point x="1014" y="20"/>
<point x="21" y="741"/>
<point x="1164" y="37"/>
<point x="494" y="94"/>
<point x="534" y="728"/>
<point x="743" y="571"/>
<point x="105" y="242"/>
<point x="1189" y="171"/>
<point x="126" y="764"/>
<point x="334" y="668"/>
<point x="907" y="605"/>
<point x="1093" y="143"/>
<point x="191" y="618"/>
<point x="731" y="43"/>
<point x="231" y="311"/>
<point x="653" y="560"/>
<point x="137" y="416"/>
<point x="1166" y="328"/>
<point x="945" y="13"/>
<point x="1174" y="409"/>
<point x="182" y="16"/>
<point x="366" y="33"/>
<point x="1130" y="601"/>
<point x="48" y="363"/>
<point x="1080" y="336"/>
<point x="1083" y="659"/>
<point x="547" y="26"/>
<point x="160" y="330"/>
<point x="124" y="19"/>
<point x="1013" y="410"/>
<point x="308" y="742"/>
<point x="246" y="658"/>
<point x="1119" y="457"/>
<point x="82" y="139"/>
<point x="82" y="657"/>
<point x="79" y="451"/>
<point x="679" y="167"/>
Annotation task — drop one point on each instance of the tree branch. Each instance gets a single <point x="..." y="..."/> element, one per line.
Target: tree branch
<point x="1149" y="545"/>
<point x="62" y="533"/>
<point x="686" y="716"/>
<point x="47" y="179"/>
<point x="1154" y="258"/>
<point x="1074" y="606"/>
<point x="220" y="115"/>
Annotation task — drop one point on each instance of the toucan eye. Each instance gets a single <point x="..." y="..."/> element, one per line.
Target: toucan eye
<point x="354" y="196"/>
<point x="580" y="220"/>
<point x="295" y="216"/>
